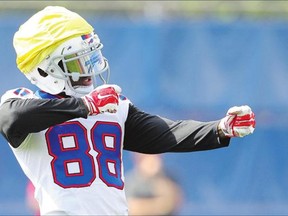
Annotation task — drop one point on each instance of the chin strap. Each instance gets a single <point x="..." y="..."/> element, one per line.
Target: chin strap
<point x="78" y="91"/>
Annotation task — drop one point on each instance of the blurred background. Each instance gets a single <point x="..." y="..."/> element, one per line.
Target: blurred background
<point x="186" y="60"/>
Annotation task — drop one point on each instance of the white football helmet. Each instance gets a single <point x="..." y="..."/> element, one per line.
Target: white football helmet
<point x="76" y="58"/>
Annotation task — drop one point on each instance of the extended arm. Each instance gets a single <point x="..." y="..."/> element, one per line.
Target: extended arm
<point x="152" y="134"/>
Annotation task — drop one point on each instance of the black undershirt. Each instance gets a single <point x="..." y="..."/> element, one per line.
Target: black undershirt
<point x="144" y="132"/>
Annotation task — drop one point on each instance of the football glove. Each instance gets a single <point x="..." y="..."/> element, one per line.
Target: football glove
<point x="238" y="122"/>
<point x="104" y="98"/>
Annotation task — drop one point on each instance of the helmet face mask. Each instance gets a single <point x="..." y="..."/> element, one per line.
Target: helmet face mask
<point x="71" y="62"/>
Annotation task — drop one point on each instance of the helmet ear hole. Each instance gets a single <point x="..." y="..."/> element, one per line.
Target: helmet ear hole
<point x="42" y="72"/>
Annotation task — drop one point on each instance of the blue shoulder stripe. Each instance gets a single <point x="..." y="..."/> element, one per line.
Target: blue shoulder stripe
<point x="45" y="95"/>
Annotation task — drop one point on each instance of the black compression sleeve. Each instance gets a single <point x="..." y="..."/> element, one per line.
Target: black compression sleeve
<point x="19" y="117"/>
<point x="152" y="134"/>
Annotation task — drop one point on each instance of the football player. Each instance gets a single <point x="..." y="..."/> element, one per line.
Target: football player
<point x="69" y="135"/>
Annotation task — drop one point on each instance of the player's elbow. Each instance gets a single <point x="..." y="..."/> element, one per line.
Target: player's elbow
<point x="9" y="125"/>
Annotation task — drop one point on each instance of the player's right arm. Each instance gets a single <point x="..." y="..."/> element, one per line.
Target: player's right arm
<point x="20" y="116"/>
<point x="22" y="113"/>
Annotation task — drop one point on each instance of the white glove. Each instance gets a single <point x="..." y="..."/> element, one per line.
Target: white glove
<point x="238" y="122"/>
<point x="104" y="98"/>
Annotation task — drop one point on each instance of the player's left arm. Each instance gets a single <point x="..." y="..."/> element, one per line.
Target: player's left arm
<point x="151" y="134"/>
<point x="154" y="134"/>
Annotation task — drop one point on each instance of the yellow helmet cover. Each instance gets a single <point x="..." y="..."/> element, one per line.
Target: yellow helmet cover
<point x="40" y="35"/>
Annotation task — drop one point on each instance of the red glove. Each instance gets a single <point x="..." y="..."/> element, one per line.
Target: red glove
<point x="104" y="98"/>
<point x="239" y="122"/>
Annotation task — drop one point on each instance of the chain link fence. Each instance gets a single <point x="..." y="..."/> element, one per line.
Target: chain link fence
<point x="246" y="8"/>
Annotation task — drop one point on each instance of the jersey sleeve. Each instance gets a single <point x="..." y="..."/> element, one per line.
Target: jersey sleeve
<point x="151" y="134"/>
<point x="21" y="92"/>
<point x="21" y="116"/>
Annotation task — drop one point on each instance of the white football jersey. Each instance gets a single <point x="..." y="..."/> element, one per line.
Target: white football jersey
<point x="76" y="167"/>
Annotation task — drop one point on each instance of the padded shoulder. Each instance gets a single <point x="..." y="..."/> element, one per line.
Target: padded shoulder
<point x="21" y="92"/>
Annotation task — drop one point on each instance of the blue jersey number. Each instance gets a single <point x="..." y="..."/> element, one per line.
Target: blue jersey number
<point x="73" y="165"/>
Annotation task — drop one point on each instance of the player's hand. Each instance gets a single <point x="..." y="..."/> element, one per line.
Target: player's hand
<point x="104" y="98"/>
<point x="238" y="122"/>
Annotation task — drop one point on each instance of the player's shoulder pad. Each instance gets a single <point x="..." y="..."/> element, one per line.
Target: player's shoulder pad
<point x="124" y="99"/>
<point x="20" y="92"/>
